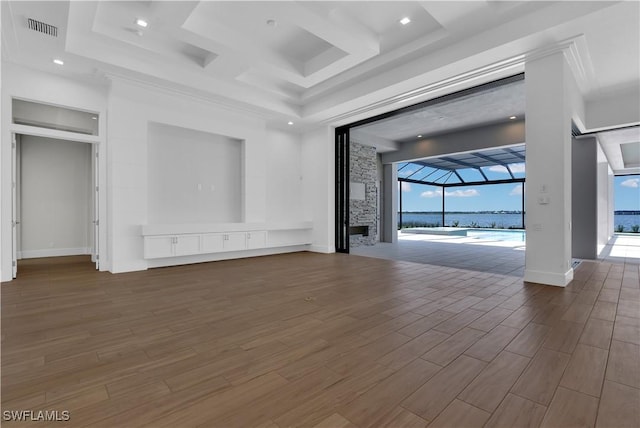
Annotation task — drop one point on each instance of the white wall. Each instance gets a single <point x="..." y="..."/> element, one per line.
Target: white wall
<point x="272" y="178"/>
<point x="271" y="163"/>
<point x="284" y="172"/>
<point x="49" y="88"/>
<point x="193" y="176"/>
<point x="55" y="197"/>
<point x="318" y="160"/>
<point x="132" y="107"/>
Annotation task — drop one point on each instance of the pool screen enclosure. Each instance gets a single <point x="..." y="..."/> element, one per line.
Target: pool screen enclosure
<point x="465" y="169"/>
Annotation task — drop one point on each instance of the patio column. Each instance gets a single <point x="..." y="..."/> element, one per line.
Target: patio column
<point x="551" y="100"/>
<point x="390" y="203"/>
<point x="443" y="194"/>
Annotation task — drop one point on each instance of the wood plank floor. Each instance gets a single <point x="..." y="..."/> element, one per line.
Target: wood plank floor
<point x="315" y="340"/>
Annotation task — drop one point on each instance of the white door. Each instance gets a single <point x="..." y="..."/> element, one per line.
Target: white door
<point x="14" y="205"/>
<point x="96" y="219"/>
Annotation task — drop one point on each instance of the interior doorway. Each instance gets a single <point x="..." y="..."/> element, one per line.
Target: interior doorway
<point x="55" y="198"/>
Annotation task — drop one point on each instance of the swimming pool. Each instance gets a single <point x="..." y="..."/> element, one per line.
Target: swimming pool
<point x="497" y="235"/>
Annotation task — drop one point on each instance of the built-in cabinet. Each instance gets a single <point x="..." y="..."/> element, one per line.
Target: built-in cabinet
<point x="216" y="242"/>
<point x="256" y="240"/>
<point x="171" y="246"/>
<point x="158" y="244"/>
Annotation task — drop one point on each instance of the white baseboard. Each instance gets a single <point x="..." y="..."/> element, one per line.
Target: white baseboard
<point x="53" y="252"/>
<point x="322" y="249"/>
<point x="549" y="278"/>
<point x="123" y="266"/>
<point x="214" y="257"/>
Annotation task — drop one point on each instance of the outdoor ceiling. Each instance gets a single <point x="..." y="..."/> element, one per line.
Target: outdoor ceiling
<point x="622" y="149"/>
<point x="492" y="105"/>
<point x="491" y="166"/>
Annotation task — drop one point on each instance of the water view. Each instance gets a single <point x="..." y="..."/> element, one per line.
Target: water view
<point x="627" y="220"/>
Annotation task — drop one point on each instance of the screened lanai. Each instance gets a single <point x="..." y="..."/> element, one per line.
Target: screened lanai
<point x="483" y="167"/>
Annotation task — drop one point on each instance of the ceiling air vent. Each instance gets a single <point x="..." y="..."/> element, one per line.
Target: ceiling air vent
<point x="42" y="27"/>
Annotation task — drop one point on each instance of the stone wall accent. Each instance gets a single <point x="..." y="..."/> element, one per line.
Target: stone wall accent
<point x="364" y="169"/>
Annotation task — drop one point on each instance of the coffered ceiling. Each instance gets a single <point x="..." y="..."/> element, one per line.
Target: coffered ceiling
<point x="313" y="61"/>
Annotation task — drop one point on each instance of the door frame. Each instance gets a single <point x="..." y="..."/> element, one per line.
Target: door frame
<point x="98" y="178"/>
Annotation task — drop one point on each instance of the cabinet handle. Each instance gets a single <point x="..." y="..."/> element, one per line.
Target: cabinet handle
<point x="248" y="235"/>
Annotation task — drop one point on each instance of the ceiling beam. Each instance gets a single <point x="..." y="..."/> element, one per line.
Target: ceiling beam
<point x="477" y="168"/>
<point x="489" y="158"/>
<point x="415" y="172"/>
<point x="469" y="183"/>
<point x="510" y="133"/>
<point x="431" y="173"/>
<point x="516" y="154"/>
<point x="509" y="170"/>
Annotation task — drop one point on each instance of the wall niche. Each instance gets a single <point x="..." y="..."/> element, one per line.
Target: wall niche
<point x="193" y="176"/>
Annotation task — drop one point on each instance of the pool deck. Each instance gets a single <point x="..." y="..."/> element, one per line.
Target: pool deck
<point x="456" y="251"/>
<point x="447" y="231"/>
<point x="482" y="255"/>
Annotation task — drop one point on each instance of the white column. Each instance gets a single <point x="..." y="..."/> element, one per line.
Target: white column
<point x="318" y="172"/>
<point x="548" y="197"/>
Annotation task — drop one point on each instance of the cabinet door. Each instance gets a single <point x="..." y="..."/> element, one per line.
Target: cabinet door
<point x="235" y="241"/>
<point x="158" y="246"/>
<point x="212" y="242"/>
<point x="186" y="245"/>
<point x="256" y="240"/>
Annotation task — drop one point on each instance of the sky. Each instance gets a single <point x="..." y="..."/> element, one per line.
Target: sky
<point x="507" y="197"/>
<point x="627" y="192"/>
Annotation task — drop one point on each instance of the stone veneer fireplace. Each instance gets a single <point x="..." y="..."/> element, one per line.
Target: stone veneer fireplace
<point x="363" y="204"/>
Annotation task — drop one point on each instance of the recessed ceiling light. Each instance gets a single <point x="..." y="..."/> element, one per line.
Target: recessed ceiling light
<point x="405" y="20"/>
<point x="141" y="23"/>
<point x="512" y="117"/>
<point x="272" y="23"/>
<point x="420" y="136"/>
<point x="58" y="61"/>
<point x="289" y="123"/>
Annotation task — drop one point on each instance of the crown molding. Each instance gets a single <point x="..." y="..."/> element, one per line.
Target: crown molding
<point x="577" y="55"/>
<point x="193" y="94"/>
